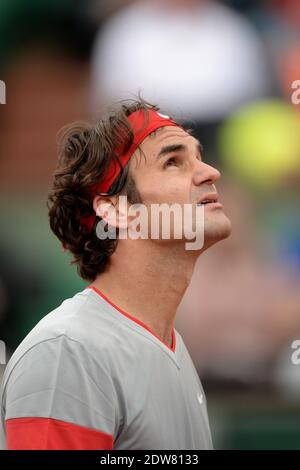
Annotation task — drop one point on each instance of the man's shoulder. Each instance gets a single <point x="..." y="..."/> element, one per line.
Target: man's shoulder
<point x="79" y="322"/>
<point x="62" y="320"/>
<point x="58" y="372"/>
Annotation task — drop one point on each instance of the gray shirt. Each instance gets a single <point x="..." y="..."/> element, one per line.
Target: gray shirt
<point x="90" y="364"/>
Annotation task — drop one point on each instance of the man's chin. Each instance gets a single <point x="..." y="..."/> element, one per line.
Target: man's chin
<point x="216" y="231"/>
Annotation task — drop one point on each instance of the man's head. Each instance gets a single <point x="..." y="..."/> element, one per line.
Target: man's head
<point x="173" y="172"/>
<point x="166" y="167"/>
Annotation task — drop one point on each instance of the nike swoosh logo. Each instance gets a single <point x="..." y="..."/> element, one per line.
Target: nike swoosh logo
<point x="200" y="398"/>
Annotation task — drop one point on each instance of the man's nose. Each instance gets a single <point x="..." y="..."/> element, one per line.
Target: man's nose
<point x="205" y="173"/>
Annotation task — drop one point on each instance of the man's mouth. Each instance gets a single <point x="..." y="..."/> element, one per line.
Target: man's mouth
<point x="210" y="199"/>
<point x="206" y="201"/>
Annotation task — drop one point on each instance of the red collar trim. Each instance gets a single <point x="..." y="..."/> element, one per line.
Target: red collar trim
<point x="136" y="320"/>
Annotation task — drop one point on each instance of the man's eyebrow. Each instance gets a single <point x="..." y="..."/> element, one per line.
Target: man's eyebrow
<point x="177" y="148"/>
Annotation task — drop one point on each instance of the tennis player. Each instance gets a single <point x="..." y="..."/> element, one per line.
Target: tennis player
<point x="107" y="369"/>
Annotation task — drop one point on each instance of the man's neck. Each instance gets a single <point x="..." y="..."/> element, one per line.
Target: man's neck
<point x="148" y="284"/>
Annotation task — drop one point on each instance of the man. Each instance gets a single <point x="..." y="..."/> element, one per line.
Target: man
<point x="107" y="369"/>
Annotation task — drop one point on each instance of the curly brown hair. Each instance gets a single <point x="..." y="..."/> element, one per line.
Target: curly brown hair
<point x="85" y="152"/>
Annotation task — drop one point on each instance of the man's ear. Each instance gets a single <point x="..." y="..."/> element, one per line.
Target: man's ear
<point x="111" y="210"/>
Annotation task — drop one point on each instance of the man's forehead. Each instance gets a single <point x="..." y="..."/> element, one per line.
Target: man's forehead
<point x="167" y="135"/>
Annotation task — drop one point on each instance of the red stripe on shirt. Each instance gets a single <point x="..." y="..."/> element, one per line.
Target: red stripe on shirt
<point x="53" y="434"/>
<point x="136" y="320"/>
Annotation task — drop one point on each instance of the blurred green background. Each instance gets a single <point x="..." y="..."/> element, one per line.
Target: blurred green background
<point x="60" y="61"/>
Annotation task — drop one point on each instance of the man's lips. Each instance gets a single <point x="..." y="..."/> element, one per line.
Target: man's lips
<point x="208" y="198"/>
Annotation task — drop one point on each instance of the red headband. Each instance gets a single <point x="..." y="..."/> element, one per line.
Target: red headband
<point x="141" y="128"/>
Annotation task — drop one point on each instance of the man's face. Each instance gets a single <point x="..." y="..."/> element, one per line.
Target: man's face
<point x="173" y="172"/>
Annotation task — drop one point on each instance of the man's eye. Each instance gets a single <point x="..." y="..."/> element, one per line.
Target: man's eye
<point x="170" y="162"/>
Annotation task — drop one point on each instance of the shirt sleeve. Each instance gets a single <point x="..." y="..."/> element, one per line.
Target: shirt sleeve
<point x="59" y="397"/>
